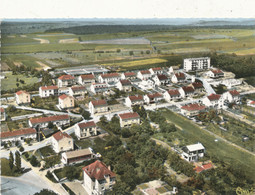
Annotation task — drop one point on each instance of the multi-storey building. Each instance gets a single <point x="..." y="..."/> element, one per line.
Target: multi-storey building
<point x="46" y="91"/>
<point x="193" y="64"/>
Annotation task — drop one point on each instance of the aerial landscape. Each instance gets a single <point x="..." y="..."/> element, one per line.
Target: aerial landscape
<point x="127" y="106"/>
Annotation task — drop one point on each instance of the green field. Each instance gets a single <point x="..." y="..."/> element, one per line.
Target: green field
<point x="5" y="168"/>
<point x="220" y="149"/>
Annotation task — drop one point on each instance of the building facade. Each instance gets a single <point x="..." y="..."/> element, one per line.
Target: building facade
<point x="194" y="64"/>
<point x="62" y="142"/>
<point x="22" y="97"/>
<point x="46" y="91"/>
<point x="84" y="130"/>
<point x="127" y="119"/>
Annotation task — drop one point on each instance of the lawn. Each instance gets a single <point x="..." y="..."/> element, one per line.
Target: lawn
<point x="220" y="149"/>
<point x="45" y="103"/>
<point x="5" y="169"/>
<point x="85" y="143"/>
<point x="16" y="125"/>
<point x="47" y="151"/>
<point x="10" y="81"/>
<point x="20" y="112"/>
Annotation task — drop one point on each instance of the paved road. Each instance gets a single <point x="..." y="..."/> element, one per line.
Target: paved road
<point x="15" y="118"/>
<point x="207" y="86"/>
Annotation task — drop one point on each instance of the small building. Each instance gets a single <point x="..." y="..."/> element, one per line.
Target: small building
<point x="84" y="130"/>
<point x="144" y="74"/>
<point x="128" y="75"/>
<point x="63" y="90"/>
<point x="77" y="156"/>
<point x="22" y="97"/>
<point x="99" y="87"/>
<point x="215" y="73"/>
<point x="194" y="64"/>
<point x="173" y="69"/>
<point x="213" y="100"/>
<point x="124" y="85"/>
<point x="136" y="81"/>
<point x="46" y="91"/>
<point x="178" y="77"/>
<point x="193" y="152"/>
<point x="66" y="81"/>
<point x="86" y="79"/>
<point x="98" y="106"/>
<point x="172" y="95"/>
<point x="98" y="178"/>
<point x="153" y="98"/>
<point x="134" y="100"/>
<point x="186" y="91"/>
<point x="77" y="91"/>
<point x="62" y="142"/>
<point x="19" y="135"/>
<point x="65" y="101"/>
<point x="251" y="103"/>
<point x="127" y="119"/>
<point x="229" y="83"/>
<point x="3" y="114"/>
<point x="156" y="70"/>
<point x="191" y="110"/>
<point x="109" y="78"/>
<point x="232" y="96"/>
<point x="161" y="79"/>
<point x="197" y="86"/>
<point x="43" y="122"/>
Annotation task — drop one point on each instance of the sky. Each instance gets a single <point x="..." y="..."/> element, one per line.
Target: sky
<point x="127" y="9"/>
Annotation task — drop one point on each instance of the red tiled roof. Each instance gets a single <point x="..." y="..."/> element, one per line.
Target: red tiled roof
<point x="162" y="77"/>
<point x="154" y="95"/>
<point x="156" y="68"/>
<point x="78" y="88"/>
<point x="64" y="96"/>
<point x="174" y="92"/>
<point x="192" y="107"/>
<point x="234" y="93"/>
<point x="98" y="170"/>
<point x="66" y="77"/>
<point x="48" y="119"/>
<point x="2" y="109"/>
<point x="99" y="103"/>
<point x="136" y="98"/>
<point x="180" y="75"/>
<point x="188" y="89"/>
<point x="109" y="75"/>
<point x="252" y="102"/>
<point x="20" y="92"/>
<point x="49" y="87"/>
<point x="217" y="71"/>
<point x="207" y="166"/>
<point x="129" y="115"/>
<point x="18" y="133"/>
<point x="129" y="74"/>
<point x="125" y="82"/>
<point x="214" y="97"/>
<point x="87" y="124"/>
<point x="198" y="169"/>
<point x="197" y="85"/>
<point x="60" y="135"/>
<point x="87" y="77"/>
<point x="145" y="72"/>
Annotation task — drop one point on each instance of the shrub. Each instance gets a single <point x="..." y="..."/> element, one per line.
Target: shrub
<point x="21" y="149"/>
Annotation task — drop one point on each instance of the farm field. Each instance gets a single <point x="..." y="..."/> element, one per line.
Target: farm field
<point x="220" y="149"/>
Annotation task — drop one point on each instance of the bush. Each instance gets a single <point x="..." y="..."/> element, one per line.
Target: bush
<point x="21" y="149"/>
<point x="34" y="162"/>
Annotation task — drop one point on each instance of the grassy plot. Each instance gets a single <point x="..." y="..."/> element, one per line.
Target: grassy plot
<point x="17" y="39"/>
<point x="20" y="59"/>
<point x="220" y="149"/>
<point x="6" y="170"/>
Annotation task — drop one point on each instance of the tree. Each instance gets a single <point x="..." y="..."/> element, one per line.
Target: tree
<point x="85" y="114"/>
<point x="46" y="192"/>
<point x="148" y="51"/>
<point x="118" y="50"/>
<point x="18" y="161"/>
<point x="131" y="53"/>
<point x="103" y="120"/>
<point x="34" y="162"/>
<point x="11" y="160"/>
<point x="142" y="52"/>
<point x="50" y="125"/>
<point x="11" y="109"/>
<point x="17" y="84"/>
<point x="21" y="149"/>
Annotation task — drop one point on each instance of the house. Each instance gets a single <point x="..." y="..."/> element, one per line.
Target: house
<point x="251" y="103"/>
<point x="193" y="152"/>
<point x="19" y="135"/>
<point x="43" y="122"/>
<point x="191" y="110"/>
<point x="213" y="100"/>
<point x="98" y="178"/>
<point x="98" y="106"/>
<point x="186" y="91"/>
<point x="65" y="101"/>
<point x="63" y="90"/>
<point x="197" y="86"/>
<point x="84" y="130"/>
<point x="127" y="119"/>
<point x="147" y="84"/>
<point x="173" y="69"/>
<point x="77" y="91"/>
<point x="109" y="78"/>
<point x="3" y="114"/>
<point x="161" y="79"/>
<point x="124" y="85"/>
<point x="61" y="141"/>
<point x="153" y="98"/>
<point x="134" y="100"/>
<point x="172" y="95"/>
<point x="215" y="73"/>
<point x="66" y="81"/>
<point x="128" y="75"/>
<point x="229" y="83"/>
<point x="203" y="167"/>
<point x="77" y="156"/>
<point x="156" y="70"/>
<point x="232" y="96"/>
<point x="86" y="79"/>
<point x="144" y="74"/>
<point x="46" y="91"/>
<point x="99" y="87"/>
<point x="22" y="97"/>
<point x="136" y="81"/>
<point x="193" y="64"/>
<point x="178" y="77"/>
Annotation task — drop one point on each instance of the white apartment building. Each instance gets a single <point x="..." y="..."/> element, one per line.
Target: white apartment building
<point x="46" y="91"/>
<point x="193" y="64"/>
<point x="193" y="152"/>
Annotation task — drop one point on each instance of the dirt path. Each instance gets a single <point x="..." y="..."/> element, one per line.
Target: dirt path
<point x="43" y="66"/>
